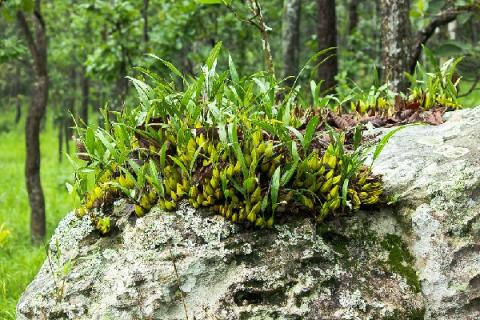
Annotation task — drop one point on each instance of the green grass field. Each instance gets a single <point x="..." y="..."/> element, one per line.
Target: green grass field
<point x="19" y="260"/>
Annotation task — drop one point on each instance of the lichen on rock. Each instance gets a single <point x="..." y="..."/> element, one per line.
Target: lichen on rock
<point x="418" y="259"/>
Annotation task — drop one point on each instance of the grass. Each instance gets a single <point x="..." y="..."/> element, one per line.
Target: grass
<point x="19" y="260"/>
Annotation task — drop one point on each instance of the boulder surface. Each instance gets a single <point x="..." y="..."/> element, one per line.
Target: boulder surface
<point x="419" y="258"/>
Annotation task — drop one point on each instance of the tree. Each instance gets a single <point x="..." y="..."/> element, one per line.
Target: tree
<point x="85" y="88"/>
<point x="395" y="37"/>
<point x="399" y="53"/>
<point x="291" y="38"/>
<point x="37" y="45"/>
<point x="353" y="15"/>
<point x="327" y="38"/>
<point x="145" y="21"/>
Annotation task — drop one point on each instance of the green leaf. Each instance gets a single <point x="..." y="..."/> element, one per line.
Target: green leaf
<point x="163" y="155"/>
<point x="212" y="57"/>
<point x="180" y="164"/>
<point x="384" y="141"/>
<point x="264" y="204"/>
<point x="134" y="166"/>
<point x="195" y="156"/>
<point x="143" y="91"/>
<point x="298" y="134"/>
<point x="275" y="187"/>
<point x="101" y="136"/>
<point x="344" y="192"/>
<point x="90" y="140"/>
<point x="288" y="174"/>
<point x="309" y="132"/>
<point x="222" y="133"/>
<point x="357" y="137"/>
<point x="448" y="50"/>
<point x="233" y="70"/>
<point x="155" y="178"/>
<point x="168" y="64"/>
<point x="232" y="130"/>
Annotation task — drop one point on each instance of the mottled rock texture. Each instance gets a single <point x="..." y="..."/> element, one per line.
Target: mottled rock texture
<point x="418" y="258"/>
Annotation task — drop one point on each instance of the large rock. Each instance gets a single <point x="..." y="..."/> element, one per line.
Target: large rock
<point x="419" y="258"/>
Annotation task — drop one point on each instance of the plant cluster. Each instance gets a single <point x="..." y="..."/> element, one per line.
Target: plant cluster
<point x="437" y="88"/>
<point x="226" y="143"/>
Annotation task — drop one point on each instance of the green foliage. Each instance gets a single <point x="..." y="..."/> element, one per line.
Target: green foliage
<point x="437" y="88"/>
<point x="222" y="142"/>
<point x="10" y="48"/>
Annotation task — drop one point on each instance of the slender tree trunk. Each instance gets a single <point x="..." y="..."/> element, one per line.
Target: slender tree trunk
<point x="327" y="38"/>
<point x="395" y="34"/>
<point x="452" y="30"/>
<point x="70" y="108"/>
<point x="187" y="66"/>
<point x="85" y="88"/>
<point x="145" y="21"/>
<point x="37" y="44"/>
<point x="475" y="29"/>
<point x="291" y="38"/>
<point x="378" y="40"/>
<point x="353" y="15"/>
<point x="60" y="138"/>
<point x="122" y="82"/>
<point x="18" y="113"/>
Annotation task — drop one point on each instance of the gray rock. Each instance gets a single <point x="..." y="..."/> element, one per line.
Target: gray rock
<point x="435" y="173"/>
<point x="419" y="258"/>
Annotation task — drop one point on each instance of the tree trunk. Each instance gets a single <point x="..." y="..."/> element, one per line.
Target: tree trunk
<point x="37" y="44"/>
<point x="327" y="38"/>
<point x="60" y="138"/>
<point x="145" y="21"/>
<point x="395" y="34"/>
<point x="291" y="38"/>
<point x="18" y="113"/>
<point x="452" y="30"/>
<point x="475" y="29"/>
<point x="353" y="15"/>
<point x="70" y="108"/>
<point x="122" y="82"/>
<point x="85" y="88"/>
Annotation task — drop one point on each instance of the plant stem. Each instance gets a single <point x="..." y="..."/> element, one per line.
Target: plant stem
<point x="262" y="26"/>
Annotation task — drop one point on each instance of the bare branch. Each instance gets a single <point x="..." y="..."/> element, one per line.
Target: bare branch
<point x="426" y="33"/>
<point x="472" y="88"/>
<point x="258" y="21"/>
